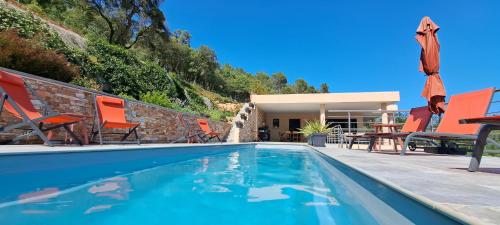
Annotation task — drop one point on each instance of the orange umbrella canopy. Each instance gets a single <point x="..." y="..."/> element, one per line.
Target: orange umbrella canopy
<point x="434" y="90"/>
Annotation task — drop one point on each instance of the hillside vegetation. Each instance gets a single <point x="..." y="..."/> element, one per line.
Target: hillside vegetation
<point x="129" y="51"/>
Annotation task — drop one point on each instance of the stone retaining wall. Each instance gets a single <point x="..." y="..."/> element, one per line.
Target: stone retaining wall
<point x="158" y="124"/>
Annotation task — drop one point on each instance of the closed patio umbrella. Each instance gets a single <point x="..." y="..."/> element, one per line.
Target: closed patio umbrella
<point x="434" y="90"/>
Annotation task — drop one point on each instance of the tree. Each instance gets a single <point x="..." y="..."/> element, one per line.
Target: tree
<point x="262" y="76"/>
<point x="279" y="80"/>
<point x="174" y="57"/>
<point x="287" y="90"/>
<point x="182" y="37"/>
<point x="129" y="20"/>
<point x="266" y="81"/>
<point x="311" y="89"/>
<point x="301" y="86"/>
<point x="324" y="88"/>
<point x="202" y="66"/>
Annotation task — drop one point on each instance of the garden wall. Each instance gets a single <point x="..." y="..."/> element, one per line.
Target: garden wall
<point x="158" y="124"/>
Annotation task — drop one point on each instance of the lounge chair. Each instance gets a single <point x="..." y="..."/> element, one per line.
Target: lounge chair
<point x="207" y="132"/>
<point x="16" y="100"/>
<point x="466" y="105"/>
<point x="417" y="120"/>
<point x="110" y="113"/>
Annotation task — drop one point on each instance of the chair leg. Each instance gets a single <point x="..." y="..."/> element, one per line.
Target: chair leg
<point x="373" y="139"/>
<point x="133" y="130"/>
<point x="479" y="147"/>
<point x="100" y="127"/>
<point x="130" y="131"/>
<point x="72" y="134"/>
<point x="351" y="142"/>
<point x="202" y="139"/>
<point x="2" y="101"/>
<point x="39" y="132"/>
<point x="137" y="137"/>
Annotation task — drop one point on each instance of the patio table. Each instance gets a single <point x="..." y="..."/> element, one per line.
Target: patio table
<point x="393" y="128"/>
<point x="490" y="123"/>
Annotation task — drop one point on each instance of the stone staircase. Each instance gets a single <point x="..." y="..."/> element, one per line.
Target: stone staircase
<point x="240" y="123"/>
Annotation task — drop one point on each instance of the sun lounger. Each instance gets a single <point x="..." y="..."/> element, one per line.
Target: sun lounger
<point x="466" y="105"/>
<point x="16" y="100"/>
<point x="110" y="113"/>
<point x="207" y="132"/>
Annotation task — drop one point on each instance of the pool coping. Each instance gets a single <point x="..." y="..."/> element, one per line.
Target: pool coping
<point x="31" y="149"/>
<point x="449" y="212"/>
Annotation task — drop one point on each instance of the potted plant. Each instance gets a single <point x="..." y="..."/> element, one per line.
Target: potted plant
<point x="315" y="132"/>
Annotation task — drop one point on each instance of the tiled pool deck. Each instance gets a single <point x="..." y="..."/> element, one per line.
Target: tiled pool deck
<point x="441" y="181"/>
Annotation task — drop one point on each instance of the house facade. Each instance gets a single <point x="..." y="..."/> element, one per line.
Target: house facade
<point x="281" y="116"/>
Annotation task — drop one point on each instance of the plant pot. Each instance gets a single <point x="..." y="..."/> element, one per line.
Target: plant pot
<point x="317" y="140"/>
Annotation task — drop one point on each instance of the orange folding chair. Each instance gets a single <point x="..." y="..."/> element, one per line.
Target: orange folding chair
<point x="16" y="100"/>
<point x="466" y="105"/>
<point x="207" y="132"/>
<point x="110" y="112"/>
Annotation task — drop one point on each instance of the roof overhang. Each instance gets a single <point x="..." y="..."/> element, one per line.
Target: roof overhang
<point x="332" y="101"/>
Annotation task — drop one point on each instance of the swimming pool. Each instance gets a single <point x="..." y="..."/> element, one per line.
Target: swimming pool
<point x="212" y="185"/>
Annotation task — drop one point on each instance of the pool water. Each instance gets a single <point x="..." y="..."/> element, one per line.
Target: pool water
<point x="259" y="185"/>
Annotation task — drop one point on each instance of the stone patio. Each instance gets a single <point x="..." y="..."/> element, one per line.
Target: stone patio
<point x="439" y="180"/>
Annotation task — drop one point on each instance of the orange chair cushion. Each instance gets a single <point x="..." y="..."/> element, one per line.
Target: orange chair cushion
<point x="6" y="77"/>
<point x="13" y="85"/>
<point x="111" y="110"/>
<point x="63" y="118"/>
<point x="466" y="105"/>
<point x="418" y="120"/>
<point x="203" y="123"/>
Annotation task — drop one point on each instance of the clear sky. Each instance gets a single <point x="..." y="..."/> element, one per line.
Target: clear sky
<point x="351" y="45"/>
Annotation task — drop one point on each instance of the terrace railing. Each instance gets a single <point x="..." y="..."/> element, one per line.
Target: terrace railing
<point x="336" y="136"/>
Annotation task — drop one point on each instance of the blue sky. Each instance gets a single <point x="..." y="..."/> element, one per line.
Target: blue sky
<point x="351" y="45"/>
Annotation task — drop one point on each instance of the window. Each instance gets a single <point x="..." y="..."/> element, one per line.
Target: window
<point x="276" y="123"/>
<point x="344" y="123"/>
<point x="293" y="124"/>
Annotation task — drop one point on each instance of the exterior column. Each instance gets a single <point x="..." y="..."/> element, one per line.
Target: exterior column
<point x="322" y="116"/>
<point x="385" y="116"/>
<point x="385" y="120"/>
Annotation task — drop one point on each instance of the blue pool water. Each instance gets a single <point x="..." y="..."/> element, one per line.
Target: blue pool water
<point x="213" y="186"/>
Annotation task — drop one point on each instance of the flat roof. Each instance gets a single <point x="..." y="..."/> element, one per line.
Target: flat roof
<point x="321" y="98"/>
<point x="333" y="101"/>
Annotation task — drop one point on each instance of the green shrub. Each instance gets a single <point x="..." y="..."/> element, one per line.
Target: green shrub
<point x="29" y="26"/>
<point x="120" y="71"/>
<point x="87" y="82"/>
<point x="30" y="57"/>
<point x="315" y="127"/>
<point x="157" y="98"/>
<point x="125" y="96"/>
<point x="219" y="115"/>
